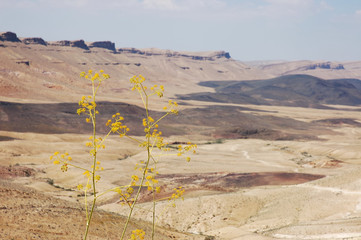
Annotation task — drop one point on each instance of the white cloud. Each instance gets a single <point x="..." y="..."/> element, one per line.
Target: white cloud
<point x="161" y="4"/>
<point x="70" y="4"/>
<point x="325" y="6"/>
<point x="281" y="8"/>
<point x="358" y="12"/>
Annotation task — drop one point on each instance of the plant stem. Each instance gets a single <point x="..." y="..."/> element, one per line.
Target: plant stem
<point x="93" y="117"/>
<point x="138" y="192"/>
<point x="145" y="102"/>
<point x="153" y="229"/>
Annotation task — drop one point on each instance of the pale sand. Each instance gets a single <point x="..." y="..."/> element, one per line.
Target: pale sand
<point x="328" y="208"/>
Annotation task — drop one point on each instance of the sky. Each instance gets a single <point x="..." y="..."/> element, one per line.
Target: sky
<point x="250" y="30"/>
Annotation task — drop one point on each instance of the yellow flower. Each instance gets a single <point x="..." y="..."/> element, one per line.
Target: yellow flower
<point x="135" y="178"/>
<point x="130" y="190"/>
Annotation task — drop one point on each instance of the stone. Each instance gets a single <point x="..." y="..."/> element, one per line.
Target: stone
<point x="9" y="36"/>
<point x="210" y="56"/>
<point x="34" y="40"/>
<point x="103" y="44"/>
<point x="325" y="65"/>
<point x="77" y="43"/>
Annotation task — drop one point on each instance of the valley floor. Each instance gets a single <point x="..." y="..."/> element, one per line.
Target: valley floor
<point x="237" y="189"/>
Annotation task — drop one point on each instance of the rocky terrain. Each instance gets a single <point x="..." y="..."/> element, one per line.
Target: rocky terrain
<point x="278" y="142"/>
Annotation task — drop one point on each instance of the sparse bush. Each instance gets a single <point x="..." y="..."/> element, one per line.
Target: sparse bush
<point x="50" y="181"/>
<point x="153" y="143"/>
<point x="209" y="238"/>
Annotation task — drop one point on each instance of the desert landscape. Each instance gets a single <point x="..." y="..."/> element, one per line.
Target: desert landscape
<point x="278" y="152"/>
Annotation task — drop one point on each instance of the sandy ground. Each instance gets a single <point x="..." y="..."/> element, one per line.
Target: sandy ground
<point x="327" y="208"/>
<point x="41" y="202"/>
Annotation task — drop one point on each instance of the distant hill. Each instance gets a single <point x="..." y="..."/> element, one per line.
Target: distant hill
<point x="40" y="87"/>
<point x="33" y="69"/>
<point x="289" y="90"/>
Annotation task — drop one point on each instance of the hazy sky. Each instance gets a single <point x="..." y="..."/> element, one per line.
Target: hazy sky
<point x="248" y="29"/>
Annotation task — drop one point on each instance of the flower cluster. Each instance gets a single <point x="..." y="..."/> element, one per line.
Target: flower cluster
<point x="61" y="159"/>
<point x="101" y="76"/>
<point x="181" y="150"/>
<point x="178" y="193"/>
<point x="116" y="125"/>
<point x="137" y="82"/>
<point x="125" y="194"/>
<point x="87" y="106"/>
<point x="137" y="234"/>
<point x="172" y="107"/>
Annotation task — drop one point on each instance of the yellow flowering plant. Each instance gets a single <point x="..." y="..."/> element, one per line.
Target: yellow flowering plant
<point x="147" y="168"/>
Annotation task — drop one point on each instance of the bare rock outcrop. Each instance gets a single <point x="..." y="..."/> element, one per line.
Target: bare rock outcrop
<point x="325" y="65"/>
<point x="210" y="56"/>
<point x="34" y="40"/>
<point x="9" y="36"/>
<point x="77" y="43"/>
<point x="103" y="44"/>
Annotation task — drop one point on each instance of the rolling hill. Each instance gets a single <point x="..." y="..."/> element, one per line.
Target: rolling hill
<point x="288" y="90"/>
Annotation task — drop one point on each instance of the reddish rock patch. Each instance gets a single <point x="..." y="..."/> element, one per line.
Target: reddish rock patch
<point x="233" y="181"/>
<point x="15" y="171"/>
<point x="225" y="182"/>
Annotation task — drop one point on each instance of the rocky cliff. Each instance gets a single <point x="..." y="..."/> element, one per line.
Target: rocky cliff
<point x="77" y="43"/>
<point x="9" y="36"/>
<point x="202" y="56"/>
<point x="103" y="44"/>
<point x="210" y="56"/>
<point x="34" y="40"/>
<point x="325" y="65"/>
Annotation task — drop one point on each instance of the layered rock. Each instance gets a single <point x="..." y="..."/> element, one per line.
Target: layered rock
<point x="77" y="43"/>
<point x="210" y="56"/>
<point x="9" y="36"/>
<point x="34" y="40"/>
<point x="103" y="44"/>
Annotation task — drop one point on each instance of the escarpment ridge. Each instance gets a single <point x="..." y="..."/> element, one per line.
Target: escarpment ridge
<point x="212" y="55"/>
<point x="35" y="69"/>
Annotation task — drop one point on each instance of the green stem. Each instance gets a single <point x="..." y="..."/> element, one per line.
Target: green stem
<point x="93" y="117"/>
<point x="144" y="171"/>
<point x="137" y="196"/>
<point x="153" y="229"/>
